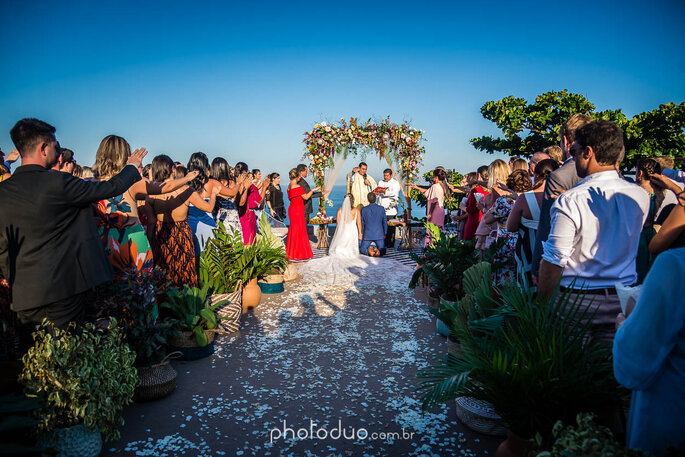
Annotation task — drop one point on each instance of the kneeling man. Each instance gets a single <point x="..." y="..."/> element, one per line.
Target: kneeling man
<point x="373" y="225"/>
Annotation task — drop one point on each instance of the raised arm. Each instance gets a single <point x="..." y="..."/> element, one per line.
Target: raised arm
<point x="143" y="188"/>
<point x="673" y="227"/>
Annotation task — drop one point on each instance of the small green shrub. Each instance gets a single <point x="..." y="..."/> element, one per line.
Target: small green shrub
<point x="86" y="377"/>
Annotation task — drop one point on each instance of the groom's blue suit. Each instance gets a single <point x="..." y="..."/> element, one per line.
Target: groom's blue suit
<point x="374" y="228"/>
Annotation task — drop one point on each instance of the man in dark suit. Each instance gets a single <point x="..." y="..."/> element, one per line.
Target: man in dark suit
<point x="308" y="207"/>
<point x="559" y="181"/>
<point x="373" y="226"/>
<point x="50" y="252"/>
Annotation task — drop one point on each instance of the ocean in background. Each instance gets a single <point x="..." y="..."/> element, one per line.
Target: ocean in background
<point x="337" y="196"/>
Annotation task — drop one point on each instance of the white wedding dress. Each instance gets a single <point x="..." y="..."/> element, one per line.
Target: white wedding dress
<point x="344" y="264"/>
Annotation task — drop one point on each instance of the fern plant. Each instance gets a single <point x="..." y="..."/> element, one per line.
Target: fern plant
<point x="531" y="360"/>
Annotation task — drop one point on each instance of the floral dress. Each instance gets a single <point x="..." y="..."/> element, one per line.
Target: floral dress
<point x="122" y="237"/>
<point x="505" y="256"/>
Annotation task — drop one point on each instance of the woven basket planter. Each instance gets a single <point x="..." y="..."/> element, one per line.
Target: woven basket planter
<point x="186" y="344"/>
<point x="156" y="381"/>
<point x="479" y="416"/>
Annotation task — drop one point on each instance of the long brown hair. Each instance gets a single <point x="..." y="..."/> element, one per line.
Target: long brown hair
<point x="112" y="155"/>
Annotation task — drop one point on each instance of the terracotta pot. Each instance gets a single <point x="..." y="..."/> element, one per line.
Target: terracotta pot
<point x="514" y="446"/>
<point x="252" y="294"/>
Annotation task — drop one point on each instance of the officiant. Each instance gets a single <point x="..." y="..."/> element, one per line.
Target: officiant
<point x="389" y="196"/>
<point x="362" y="184"/>
<point x="308" y="207"/>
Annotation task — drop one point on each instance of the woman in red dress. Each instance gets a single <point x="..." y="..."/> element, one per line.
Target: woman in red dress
<point x="297" y="246"/>
<point x="474" y="213"/>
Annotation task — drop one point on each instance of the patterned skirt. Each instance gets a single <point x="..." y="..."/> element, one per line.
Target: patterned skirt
<point x="174" y="252"/>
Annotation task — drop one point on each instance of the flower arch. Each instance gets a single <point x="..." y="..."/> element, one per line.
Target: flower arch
<point x="399" y="144"/>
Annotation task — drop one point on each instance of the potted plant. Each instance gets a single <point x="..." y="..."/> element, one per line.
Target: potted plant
<point x="272" y="283"/>
<point x="217" y="271"/>
<point x="133" y="302"/>
<point x="86" y="377"/>
<point x="197" y="321"/>
<point x="531" y="360"/>
<point x="586" y="439"/>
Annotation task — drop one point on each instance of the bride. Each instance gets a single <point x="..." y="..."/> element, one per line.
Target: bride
<point x="344" y="263"/>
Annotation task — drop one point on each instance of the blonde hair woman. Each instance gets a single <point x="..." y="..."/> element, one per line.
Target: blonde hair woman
<point x="498" y="172"/>
<point x="117" y="219"/>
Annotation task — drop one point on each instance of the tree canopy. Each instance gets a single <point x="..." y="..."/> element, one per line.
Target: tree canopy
<point x="531" y="127"/>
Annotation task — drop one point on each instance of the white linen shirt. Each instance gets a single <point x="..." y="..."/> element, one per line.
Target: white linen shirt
<point x="391" y="197"/>
<point x="595" y="231"/>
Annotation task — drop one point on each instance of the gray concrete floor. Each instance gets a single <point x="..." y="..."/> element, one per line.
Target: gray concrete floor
<point x="325" y="360"/>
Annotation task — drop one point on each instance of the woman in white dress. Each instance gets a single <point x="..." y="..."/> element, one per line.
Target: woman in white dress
<point x="343" y="264"/>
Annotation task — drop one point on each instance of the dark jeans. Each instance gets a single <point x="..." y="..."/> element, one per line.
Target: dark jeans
<point x="60" y="313"/>
<point x="390" y="236"/>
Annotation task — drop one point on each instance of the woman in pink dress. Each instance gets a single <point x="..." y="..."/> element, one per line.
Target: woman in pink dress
<point x="248" y="219"/>
<point x="435" y="196"/>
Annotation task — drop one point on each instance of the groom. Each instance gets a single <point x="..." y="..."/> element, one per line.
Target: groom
<point x="373" y="225"/>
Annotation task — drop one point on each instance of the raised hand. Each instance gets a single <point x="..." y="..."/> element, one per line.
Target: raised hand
<point x="137" y="157"/>
<point x="13" y="156"/>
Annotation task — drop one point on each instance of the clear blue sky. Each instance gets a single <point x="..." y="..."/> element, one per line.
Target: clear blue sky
<point x="244" y="80"/>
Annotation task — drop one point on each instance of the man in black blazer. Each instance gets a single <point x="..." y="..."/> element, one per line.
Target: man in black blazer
<point x="50" y="252"/>
<point x="308" y="207"/>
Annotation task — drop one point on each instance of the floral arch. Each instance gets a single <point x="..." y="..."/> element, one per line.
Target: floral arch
<point x="399" y="144"/>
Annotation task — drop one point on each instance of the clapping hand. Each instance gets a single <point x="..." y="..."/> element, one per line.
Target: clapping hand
<point x="13" y="156"/>
<point x="136" y="158"/>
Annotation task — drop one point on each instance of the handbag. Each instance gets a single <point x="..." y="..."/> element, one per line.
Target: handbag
<point x="231" y="310"/>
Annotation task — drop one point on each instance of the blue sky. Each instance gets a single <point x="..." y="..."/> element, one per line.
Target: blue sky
<point x="244" y="80"/>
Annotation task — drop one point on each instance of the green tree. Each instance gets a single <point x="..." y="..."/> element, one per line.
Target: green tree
<point x="530" y="127"/>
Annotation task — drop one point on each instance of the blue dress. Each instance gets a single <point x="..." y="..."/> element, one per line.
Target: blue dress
<point x="649" y="358"/>
<point x="201" y="224"/>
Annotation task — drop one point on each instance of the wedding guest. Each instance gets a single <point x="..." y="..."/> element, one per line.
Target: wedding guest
<point x="297" y="245"/>
<point x="389" y="199"/>
<point x="518" y="183"/>
<point x="225" y="209"/>
<point x="65" y="162"/>
<point x="169" y="233"/>
<point x="649" y="359"/>
<point x="49" y="251"/>
<point x="582" y="251"/>
<point x="117" y="219"/>
<point x="557" y="182"/>
<point x="362" y="184"/>
<point x="180" y="171"/>
<point x="77" y="171"/>
<point x="525" y="215"/>
<point x="274" y="197"/>
<point x="308" y="207"/>
<point x="534" y="160"/>
<point x="435" y="196"/>
<point x="519" y="164"/>
<point x="672" y="232"/>
<point x="262" y="186"/>
<point x="201" y="222"/>
<point x="555" y="152"/>
<point x="498" y="172"/>
<point x="251" y="197"/>
<point x="88" y="173"/>
<point x="476" y="194"/>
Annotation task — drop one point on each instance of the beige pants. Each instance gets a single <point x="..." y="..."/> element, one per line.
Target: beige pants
<point x="606" y="307"/>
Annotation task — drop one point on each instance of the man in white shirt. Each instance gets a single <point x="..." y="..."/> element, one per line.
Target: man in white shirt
<point x="595" y="228"/>
<point x="362" y="184"/>
<point x="389" y="199"/>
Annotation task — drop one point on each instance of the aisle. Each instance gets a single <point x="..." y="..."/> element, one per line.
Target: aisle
<point x="344" y="359"/>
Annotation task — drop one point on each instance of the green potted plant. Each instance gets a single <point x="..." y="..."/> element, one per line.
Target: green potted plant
<point x="531" y="360"/>
<point x="197" y="321"/>
<point x="585" y="439"/>
<point x="133" y="302"/>
<point x="86" y="378"/>
<point x="272" y="283"/>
